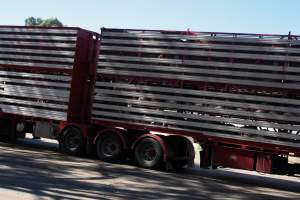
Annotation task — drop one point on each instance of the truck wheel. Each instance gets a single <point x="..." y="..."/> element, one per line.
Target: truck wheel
<point x="72" y="141"/>
<point x="109" y="148"/>
<point x="179" y="164"/>
<point x="148" y="153"/>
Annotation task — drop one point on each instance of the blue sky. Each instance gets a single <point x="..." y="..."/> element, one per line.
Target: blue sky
<point x="251" y="16"/>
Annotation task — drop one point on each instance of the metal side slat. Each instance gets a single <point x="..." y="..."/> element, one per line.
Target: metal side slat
<point x="37" y="51"/>
<point x="35" y="83"/>
<point x="174" y="91"/>
<point x="36" y="75"/>
<point x="198" y="70"/>
<point x="161" y="115"/>
<point x="39" y="44"/>
<point x="203" y="78"/>
<point x="203" y="53"/>
<point x="33" y="112"/>
<point x="33" y="103"/>
<point x="37" y="30"/>
<point x="181" y="108"/>
<point x="237" y="113"/>
<point x="29" y="36"/>
<point x="196" y="37"/>
<point x="257" y="67"/>
<point x="36" y="64"/>
<point x="195" y="100"/>
<point x="38" y="58"/>
<point x="187" y="44"/>
<point x="207" y="133"/>
<point x="12" y="89"/>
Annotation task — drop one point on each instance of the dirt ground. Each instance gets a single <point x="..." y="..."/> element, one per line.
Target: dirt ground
<point x="34" y="170"/>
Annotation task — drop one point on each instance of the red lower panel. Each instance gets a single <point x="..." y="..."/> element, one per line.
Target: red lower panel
<point x="264" y="163"/>
<point x="233" y="158"/>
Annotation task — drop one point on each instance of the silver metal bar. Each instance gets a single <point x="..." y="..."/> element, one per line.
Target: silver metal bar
<point x="37" y="51"/>
<point x="208" y="133"/>
<point x="222" y="111"/>
<point x="184" y="62"/>
<point x="189" y="123"/>
<point x="195" y="93"/>
<point x="36" y="64"/>
<point x="156" y="35"/>
<point x="43" y="92"/>
<point x="39" y="44"/>
<point x="203" y="53"/>
<point x="190" y="100"/>
<point x="37" y="30"/>
<point x="188" y="44"/>
<point x="37" y="37"/>
<point x="35" y="75"/>
<point x="38" y="58"/>
<point x="193" y="110"/>
<point x="33" y="103"/>
<point x="39" y="97"/>
<point x="33" y="112"/>
<point x="35" y="83"/>
<point x="198" y="70"/>
<point x="203" y="78"/>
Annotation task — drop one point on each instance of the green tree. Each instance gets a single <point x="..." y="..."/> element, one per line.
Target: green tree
<point x="32" y="21"/>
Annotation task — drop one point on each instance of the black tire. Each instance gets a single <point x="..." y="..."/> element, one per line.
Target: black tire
<point x="179" y="164"/>
<point x="149" y="154"/>
<point x="109" y="148"/>
<point x="72" y="142"/>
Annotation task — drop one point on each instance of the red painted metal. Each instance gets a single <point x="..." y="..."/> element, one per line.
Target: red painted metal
<point x="264" y="163"/>
<point x="83" y="77"/>
<point x="234" y="158"/>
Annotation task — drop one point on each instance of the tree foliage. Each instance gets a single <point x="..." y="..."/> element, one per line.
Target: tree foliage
<point x="32" y="21"/>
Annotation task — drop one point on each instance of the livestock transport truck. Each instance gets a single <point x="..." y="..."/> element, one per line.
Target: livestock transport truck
<point x="152" y="92"/>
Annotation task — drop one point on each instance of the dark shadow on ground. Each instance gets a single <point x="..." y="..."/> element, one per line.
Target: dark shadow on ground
<point x="44" y="172"/>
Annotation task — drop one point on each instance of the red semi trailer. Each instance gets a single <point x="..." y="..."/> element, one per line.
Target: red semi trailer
<point x="152" y="92"/>
<point x="46" y="75"/>
<point x="238" y="95"/>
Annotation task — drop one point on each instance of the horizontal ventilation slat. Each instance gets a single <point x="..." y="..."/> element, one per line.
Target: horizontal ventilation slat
<point x="207" y="133"/>
<point x="38" y="44"/>
<point x="32" y="103"/>
<point x="184" y="62"/>
<point x="34" y="82"/>
<point x="35" y="75"/>
<point x="165" y="120"/>
<point x="181" y="108"/>
<point x="201" y="78"/>
<point x="186" y="44"/>
<point x="38" y="58"/>
<point x="33" y="112"/>
<point x="198" y="70"/>
<point x="263" y="99"/>
<point x="202" y="53"/>
<point x="29" y="36"/>
<point x="196" y="100"/>
<point x="38" y="30"/>
<point x="36" y="51"/>
<point x="42" y="93"/>
<point x="249" y="114"/>
<point x="36" y="64"/>
<point x="194" y="37"/>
